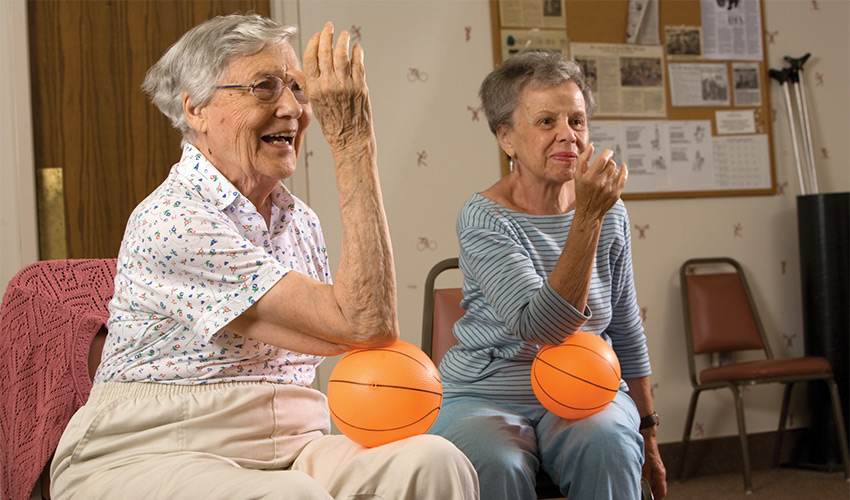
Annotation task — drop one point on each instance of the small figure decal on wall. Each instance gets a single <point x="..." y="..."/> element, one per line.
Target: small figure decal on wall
<point x="468" y="30"/>
<point x="422" y="156"/>
<point x="789" y="339"/>
<point x="415" y="75"/>
<point x="425" y="244"/>
<point x="475" y="112"/>
<point x="642" y="231"/>
<point x="771" y="36"/>
<point x="355" y="33"/>
<point x="738" y="230"/>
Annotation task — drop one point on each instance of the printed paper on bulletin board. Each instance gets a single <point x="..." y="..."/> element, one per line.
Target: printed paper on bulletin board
<point x="689" y="115"/>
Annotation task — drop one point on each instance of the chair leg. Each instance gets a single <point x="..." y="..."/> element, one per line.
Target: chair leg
<point x="686" y="436"/>
<point x="783" y="418"/>
<point x="742" y="431"/>
<point x="839" y="426"/>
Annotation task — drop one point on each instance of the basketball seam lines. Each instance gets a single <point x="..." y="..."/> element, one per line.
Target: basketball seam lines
<point x="386" y="385"/>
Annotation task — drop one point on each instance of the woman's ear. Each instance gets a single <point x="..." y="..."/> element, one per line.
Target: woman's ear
<point x="504" y="137"/>
<point x="194" y="115"/>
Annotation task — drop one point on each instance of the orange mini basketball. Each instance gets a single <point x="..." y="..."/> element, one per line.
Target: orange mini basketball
<point x="381" y="395"/>
<point x="576" y="378"/>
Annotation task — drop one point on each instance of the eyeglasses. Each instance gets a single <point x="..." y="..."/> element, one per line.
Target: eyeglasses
<point x="268" y="88"/>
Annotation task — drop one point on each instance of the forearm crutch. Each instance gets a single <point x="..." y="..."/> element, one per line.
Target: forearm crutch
<point x="805" y="128"/>
<point x="783" y="77"/>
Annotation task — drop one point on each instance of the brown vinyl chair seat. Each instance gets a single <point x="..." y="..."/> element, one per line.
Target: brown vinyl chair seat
<point x="767" y="370"/>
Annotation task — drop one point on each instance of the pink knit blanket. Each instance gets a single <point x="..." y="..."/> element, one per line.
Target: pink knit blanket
<point x="51" y="311"/>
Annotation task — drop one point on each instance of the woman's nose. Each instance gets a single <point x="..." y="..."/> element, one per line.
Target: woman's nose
<point x="287" y="105"/>
<point x="566" y="132"/>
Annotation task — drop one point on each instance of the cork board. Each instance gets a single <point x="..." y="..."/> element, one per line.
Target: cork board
<point x="741" y="159"/>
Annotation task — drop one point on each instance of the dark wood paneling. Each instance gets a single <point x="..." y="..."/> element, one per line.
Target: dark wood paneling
<point x="88" y="59"/>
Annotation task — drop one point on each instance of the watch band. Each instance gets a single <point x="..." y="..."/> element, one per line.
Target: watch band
<point x="648" y="421"/>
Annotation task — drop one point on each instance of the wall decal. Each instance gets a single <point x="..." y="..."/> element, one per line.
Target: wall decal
<point x="425" y="244"/>
<point x="415" y="75"/>
<point x="739" y="230"/>
<point x="422" y="156"/>
<point x="355" y="33"/>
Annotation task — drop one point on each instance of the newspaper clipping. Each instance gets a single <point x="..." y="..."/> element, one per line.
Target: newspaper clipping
<point x="627" y="80"/>
<point x="532" y="14"/>
<point x="699" y="84"/>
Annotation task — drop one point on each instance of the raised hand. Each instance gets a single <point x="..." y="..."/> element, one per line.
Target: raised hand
<point x="336" y="86"/>
<point x="598" y="185"/>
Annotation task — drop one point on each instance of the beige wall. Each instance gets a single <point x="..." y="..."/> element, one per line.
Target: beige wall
<point x="423" y="193"/>
<point x="19" y="244"/>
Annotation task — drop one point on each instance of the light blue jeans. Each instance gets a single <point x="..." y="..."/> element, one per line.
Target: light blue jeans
<point x="598" y="457"/>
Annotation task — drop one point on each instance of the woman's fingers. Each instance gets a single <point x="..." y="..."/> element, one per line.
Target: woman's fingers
<point x="325" y="50"/>
<point x="584" y="159"/>
<point x="342" y="65"/>
<point x="358" y="67"/>
<point x="311" y="57"/>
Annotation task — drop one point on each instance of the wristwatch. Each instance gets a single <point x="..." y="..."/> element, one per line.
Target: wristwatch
<point x="648" y="421"/>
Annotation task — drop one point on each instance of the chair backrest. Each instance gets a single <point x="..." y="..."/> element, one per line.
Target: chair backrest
<point x="441" y="311"/>
<point x="719" y="311"/>
<point x="51" y="336"/>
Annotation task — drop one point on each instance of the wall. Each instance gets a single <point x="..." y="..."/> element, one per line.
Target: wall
<point x="425" y="59"/>
<point x="19" y="245"/>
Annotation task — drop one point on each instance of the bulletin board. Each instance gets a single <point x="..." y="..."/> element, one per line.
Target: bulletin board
<point x="689" y="116"/>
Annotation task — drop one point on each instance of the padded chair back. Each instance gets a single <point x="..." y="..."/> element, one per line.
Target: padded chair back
<point x="722" y="318"/>
<point x="51" y="336"/>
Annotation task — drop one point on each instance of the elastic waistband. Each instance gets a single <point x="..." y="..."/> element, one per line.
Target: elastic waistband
<point x="108" y="391"/>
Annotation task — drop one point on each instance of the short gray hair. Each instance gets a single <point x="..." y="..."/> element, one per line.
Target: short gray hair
<point x="500" y="90"/>
<point x="197" y="61"/>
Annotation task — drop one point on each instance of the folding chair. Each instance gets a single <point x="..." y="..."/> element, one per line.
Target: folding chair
<point x="721" y="320"/>
<point x="442" y="310"/>
<point x="52" y="330"/>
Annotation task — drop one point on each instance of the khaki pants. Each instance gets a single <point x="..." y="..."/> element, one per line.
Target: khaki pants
<point x="235" y="441"/>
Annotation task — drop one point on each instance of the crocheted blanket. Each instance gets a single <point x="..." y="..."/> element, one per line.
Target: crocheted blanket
<point x="51" y="311"/>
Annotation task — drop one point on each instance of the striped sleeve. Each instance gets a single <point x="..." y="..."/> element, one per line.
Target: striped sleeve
<point x="498" y="256"/>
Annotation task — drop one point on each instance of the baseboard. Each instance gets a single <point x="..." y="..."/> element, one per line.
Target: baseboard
<point x="714" y="456"/>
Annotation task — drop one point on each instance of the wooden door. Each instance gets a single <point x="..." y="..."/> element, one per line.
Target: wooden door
<point x="92" y="123"/>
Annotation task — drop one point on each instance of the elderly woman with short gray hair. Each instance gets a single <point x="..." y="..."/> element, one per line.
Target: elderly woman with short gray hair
<point x="224" y="303"/>
<point x="545" y="252"/>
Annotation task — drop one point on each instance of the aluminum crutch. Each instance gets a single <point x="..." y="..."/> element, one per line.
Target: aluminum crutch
<point x="782" y="77"/>
<point x="802" y="104"/>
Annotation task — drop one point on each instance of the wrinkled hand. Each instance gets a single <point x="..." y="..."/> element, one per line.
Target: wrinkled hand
<point x="336" y="87"/>
<point x="598" y="185"/>
<point x="653" y="468"/>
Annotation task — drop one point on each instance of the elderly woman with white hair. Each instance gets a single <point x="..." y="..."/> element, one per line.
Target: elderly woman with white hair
<point x="224" y="303"/>
<point x="546" y="252"/>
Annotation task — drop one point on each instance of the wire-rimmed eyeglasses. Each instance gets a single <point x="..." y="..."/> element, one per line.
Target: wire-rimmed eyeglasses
<point x="268" y="88"/>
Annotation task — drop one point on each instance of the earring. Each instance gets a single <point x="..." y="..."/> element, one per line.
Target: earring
<point x="511" y="164"/>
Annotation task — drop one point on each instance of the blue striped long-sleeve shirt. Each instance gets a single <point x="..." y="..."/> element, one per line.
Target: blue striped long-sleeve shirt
<point x="511" y="310"/>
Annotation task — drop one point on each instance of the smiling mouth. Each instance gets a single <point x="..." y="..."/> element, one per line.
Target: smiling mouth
<point x="277" y="139"/>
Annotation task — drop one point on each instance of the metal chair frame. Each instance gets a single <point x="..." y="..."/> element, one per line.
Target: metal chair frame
<point x="736" y="384"/>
